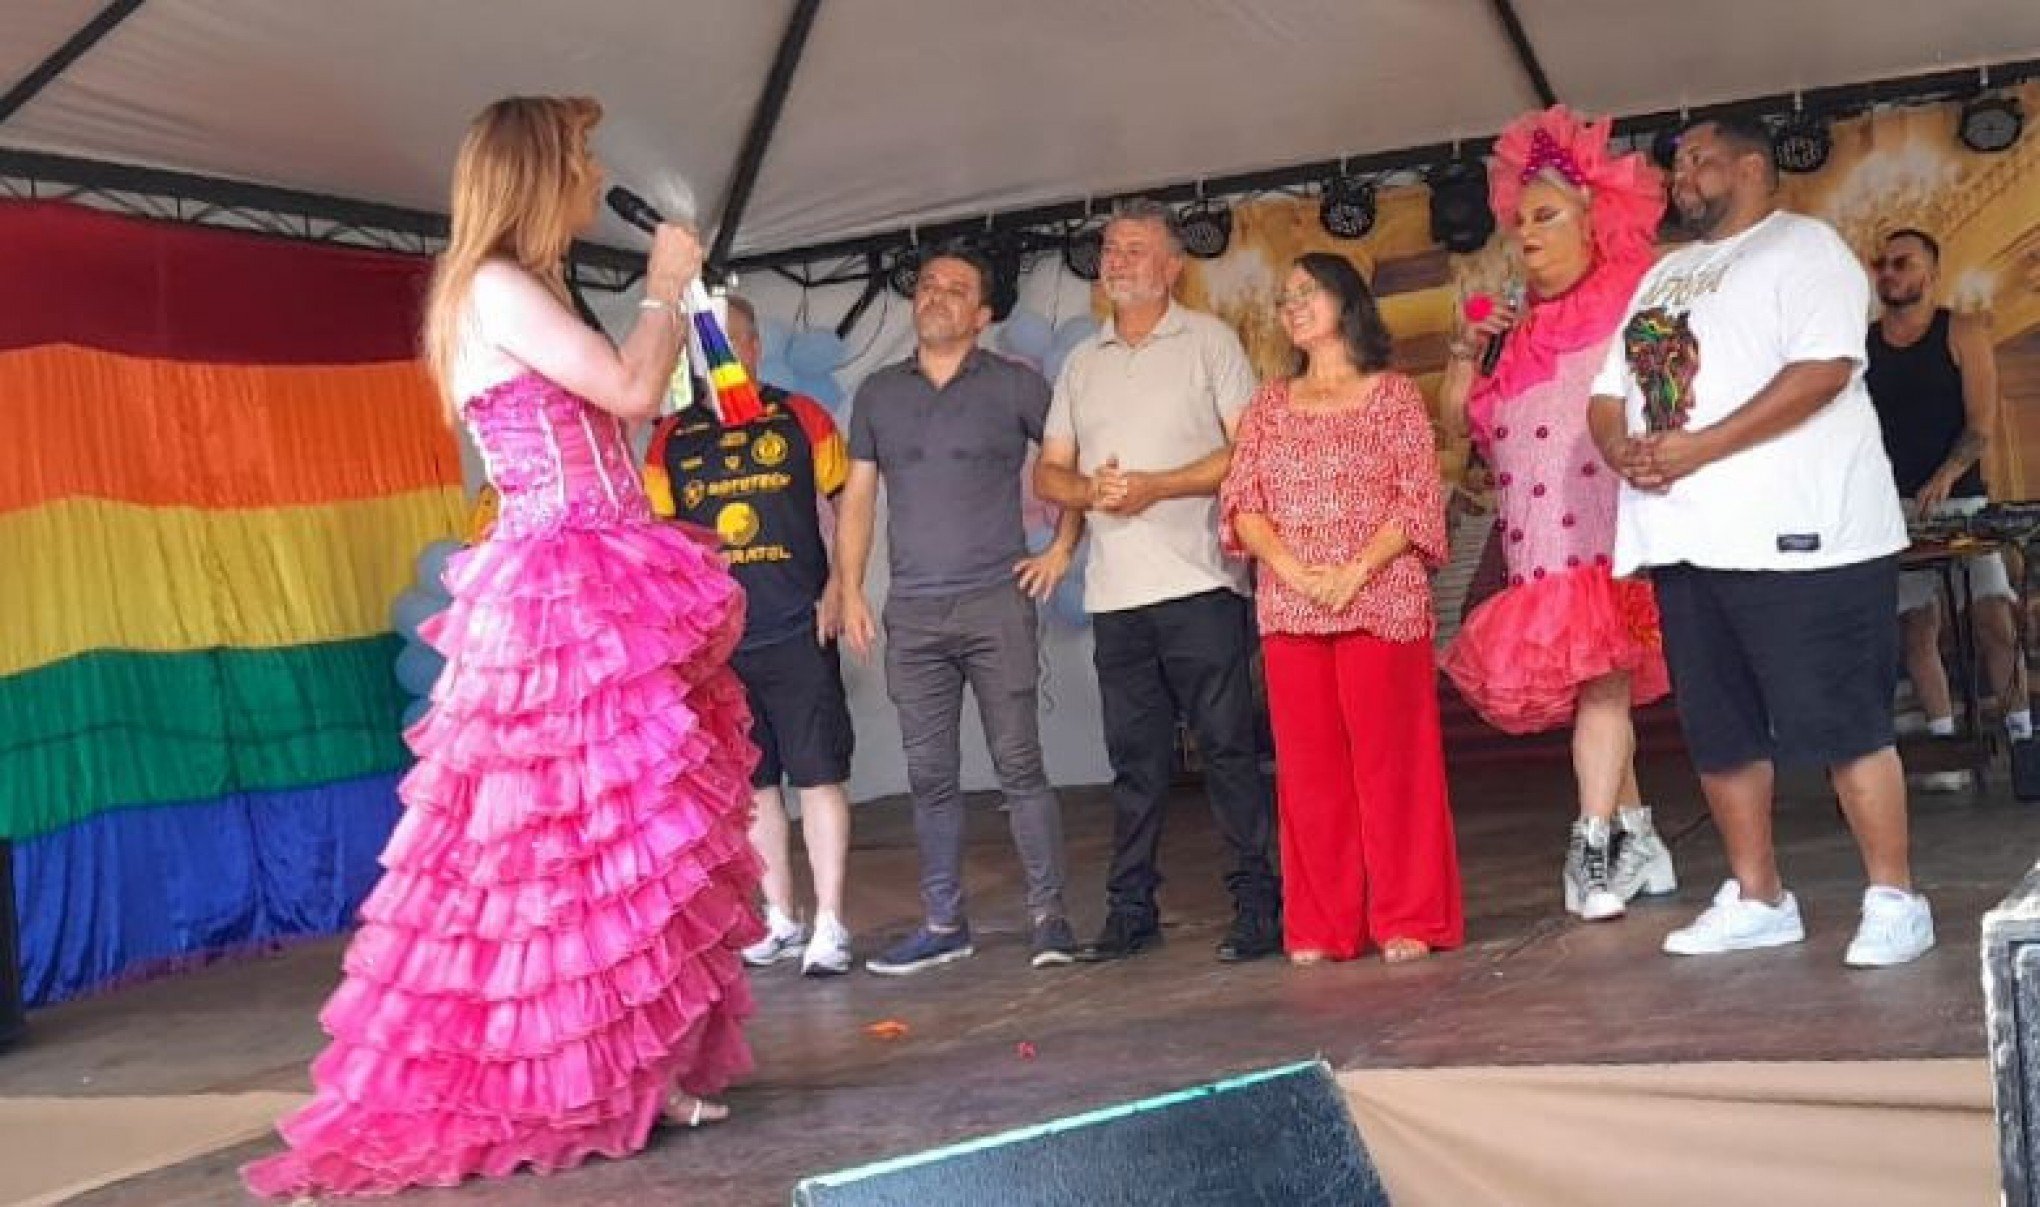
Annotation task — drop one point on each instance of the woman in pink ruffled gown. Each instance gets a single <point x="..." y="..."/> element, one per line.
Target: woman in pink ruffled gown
<point x="1565" y="643"/>
<point x="549" y="965"/>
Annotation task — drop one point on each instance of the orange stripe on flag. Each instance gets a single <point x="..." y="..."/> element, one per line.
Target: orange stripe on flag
<point x="83" y="423"/>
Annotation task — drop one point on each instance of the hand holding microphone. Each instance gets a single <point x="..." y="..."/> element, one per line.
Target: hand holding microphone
<point x="1492" y="321"/>
<point x="676" y="256"/>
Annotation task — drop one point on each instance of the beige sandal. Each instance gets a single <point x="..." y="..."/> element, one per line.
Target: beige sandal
<point x="1306" y="959"/>
<point x="1402" y="951"/>
<point x="685" y="1110"/>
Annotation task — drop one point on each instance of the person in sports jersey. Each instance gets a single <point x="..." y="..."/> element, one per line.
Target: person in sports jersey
<point x="761" y="487"/>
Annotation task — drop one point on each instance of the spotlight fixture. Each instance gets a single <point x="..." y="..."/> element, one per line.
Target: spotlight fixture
<point x="1664" y="147"/>
<point x="1006" y="252"/>
<point x="1346" y="206"/>
<point x="1207" y="229"/>
<point x="1460" y="217"/>
<point x="1084" y="251"/>
<point x="1802" y="143"/>
<point x="903" y="269"/>
<point x="1990" y="124"/>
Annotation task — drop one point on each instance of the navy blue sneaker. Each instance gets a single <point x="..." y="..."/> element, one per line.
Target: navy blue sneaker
<point x="922" y="950"/>
<point x="1054" y="944"/>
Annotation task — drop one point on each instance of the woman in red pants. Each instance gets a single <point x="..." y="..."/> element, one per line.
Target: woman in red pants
<point x="1335" y="491"/>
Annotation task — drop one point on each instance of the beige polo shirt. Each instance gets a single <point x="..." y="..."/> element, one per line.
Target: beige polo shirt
<point x="1157" y="405"/>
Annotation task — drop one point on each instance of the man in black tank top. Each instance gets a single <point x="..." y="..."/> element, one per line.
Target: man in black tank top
<point x="1933" y="380"/>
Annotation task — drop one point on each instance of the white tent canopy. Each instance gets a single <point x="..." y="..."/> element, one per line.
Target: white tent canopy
<point x="909" y="112"/>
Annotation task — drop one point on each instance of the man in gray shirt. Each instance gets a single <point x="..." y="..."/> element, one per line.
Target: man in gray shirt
<point x="1140" y="433"/>
<point x="948" y="431"/>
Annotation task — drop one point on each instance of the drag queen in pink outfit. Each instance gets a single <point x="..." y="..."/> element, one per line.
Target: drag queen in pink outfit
<point x="549" y="965"/>
<point x="1565" y="644"/>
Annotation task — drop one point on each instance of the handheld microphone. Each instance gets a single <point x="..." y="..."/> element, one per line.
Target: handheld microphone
<point x="1491" y="355"/>
<point x="634" y="209"/>
<point x="639" y="213"/>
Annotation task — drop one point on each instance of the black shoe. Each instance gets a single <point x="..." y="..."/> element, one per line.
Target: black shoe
<point x="1123" y="936"/>
<point x="1054" y="943"/>
<point x="1251" y="937"/>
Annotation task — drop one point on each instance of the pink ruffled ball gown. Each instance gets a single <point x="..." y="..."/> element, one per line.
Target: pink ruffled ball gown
<point x="553" y="948"/>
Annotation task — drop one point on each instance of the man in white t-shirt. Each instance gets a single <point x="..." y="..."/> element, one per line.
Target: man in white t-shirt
<point x="1758" y="496"/>
<point x="1140" y="435"/>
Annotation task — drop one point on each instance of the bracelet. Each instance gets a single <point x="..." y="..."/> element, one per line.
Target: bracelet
<point x="651" y="303"/>
<point x="1460" y="349"/>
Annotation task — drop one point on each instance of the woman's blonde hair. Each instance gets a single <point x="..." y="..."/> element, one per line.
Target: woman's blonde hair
<point x="521" y="172"/>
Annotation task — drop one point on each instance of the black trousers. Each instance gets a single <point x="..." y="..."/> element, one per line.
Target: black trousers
<point x="1183" y="658"/>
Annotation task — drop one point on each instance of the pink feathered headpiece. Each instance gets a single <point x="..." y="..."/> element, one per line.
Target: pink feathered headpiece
<point x="1626" y="193"/>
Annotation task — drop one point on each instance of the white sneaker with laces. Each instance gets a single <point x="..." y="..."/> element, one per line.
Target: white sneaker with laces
<point x="1897" y="928"/>
<point x="828" y="953"/>
<point x="781" y="942"/>
<point x="1734" y="924"/>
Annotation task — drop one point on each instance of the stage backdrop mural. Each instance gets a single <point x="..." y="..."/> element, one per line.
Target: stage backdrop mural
<point x="1892" y="168"/>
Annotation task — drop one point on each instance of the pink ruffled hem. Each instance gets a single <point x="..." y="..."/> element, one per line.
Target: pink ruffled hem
<point x="1522" y="656"/>
<point x="553" y="949"/>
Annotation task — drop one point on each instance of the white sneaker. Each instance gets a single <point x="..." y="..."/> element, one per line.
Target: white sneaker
<point x="1941" y="781"/>
<point x="1897" y="928"/>
<point x="828" y="953"/>
<point x="1733" y="924"/>
<point x="780" y="943"/>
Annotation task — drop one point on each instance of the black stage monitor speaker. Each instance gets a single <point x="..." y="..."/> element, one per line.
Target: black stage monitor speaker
<point x="12" y="1018"/>
<point x="2026" y="769"/>
<point x="1281" y="1136"/>
<point x="2011" y="1008"/>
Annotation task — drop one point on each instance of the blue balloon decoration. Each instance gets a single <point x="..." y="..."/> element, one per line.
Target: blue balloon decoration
<point x="415" y="711"/>
<point x="772" y="337"/>
<point x="774" y="371"/>
<point x="413" y="608"/>
<point x="419" y="667"/>
<point x="1026" y="335"/>
<point x="815" y="352"/>
<point x="1067" y="603"/>
<point x="432" y="566"/>
<point x="823" y="389"/>
<point x="1067" y="337"/>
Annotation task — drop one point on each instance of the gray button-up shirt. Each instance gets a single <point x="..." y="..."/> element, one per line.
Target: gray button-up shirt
<point x="951" y="460"/>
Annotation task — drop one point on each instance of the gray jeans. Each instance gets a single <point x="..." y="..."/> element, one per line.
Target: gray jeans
<point x="989" y="639"/>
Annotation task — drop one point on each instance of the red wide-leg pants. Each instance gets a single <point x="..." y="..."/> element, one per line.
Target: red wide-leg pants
<point x="1367" y="848"/>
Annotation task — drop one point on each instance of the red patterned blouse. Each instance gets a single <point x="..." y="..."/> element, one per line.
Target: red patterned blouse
<point x="1328" y="481"/>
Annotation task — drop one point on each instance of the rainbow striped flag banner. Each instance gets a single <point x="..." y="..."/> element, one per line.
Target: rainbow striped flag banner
<point x="223" y="459"/>
<point x="736" y="395"/>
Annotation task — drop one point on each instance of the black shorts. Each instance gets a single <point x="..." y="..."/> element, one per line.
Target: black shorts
<point x="799" y="717"/>
<point x="1795" y="667"/>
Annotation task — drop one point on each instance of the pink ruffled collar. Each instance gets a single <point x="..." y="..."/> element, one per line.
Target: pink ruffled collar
<point x="1578" y="318"/>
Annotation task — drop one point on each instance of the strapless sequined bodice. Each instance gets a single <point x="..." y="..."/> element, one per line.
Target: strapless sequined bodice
<point x="555" y="460"/>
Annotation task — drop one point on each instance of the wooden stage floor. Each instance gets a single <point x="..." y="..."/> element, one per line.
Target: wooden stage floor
<point x="1531" y="987"/>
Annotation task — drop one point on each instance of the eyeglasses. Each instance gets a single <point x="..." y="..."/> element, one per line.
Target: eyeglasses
<point x="1296" y="297"/>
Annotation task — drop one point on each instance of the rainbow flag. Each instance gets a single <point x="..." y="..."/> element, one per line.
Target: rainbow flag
<point x="736" y="395"/>
<point x="223" y="458"/>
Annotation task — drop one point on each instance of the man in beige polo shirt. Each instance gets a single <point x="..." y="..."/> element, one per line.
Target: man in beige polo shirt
<point x="1139" y="434"/>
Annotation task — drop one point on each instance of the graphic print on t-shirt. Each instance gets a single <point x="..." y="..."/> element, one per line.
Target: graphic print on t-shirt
<point x="1665" y="358"/>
